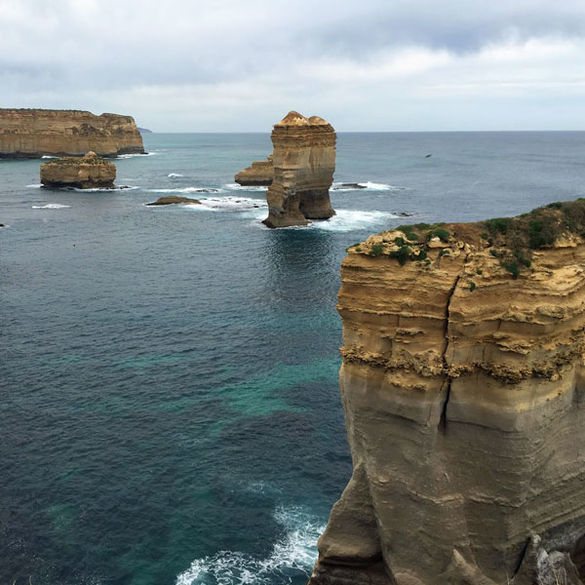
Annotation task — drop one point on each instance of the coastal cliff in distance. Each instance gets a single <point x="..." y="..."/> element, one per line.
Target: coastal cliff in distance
<point x="30" y="133"/>
<point x="304" y="163"/>
<point x="463" y="384"/>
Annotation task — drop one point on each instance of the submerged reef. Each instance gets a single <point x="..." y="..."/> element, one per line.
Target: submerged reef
<point x="304" y="163"/>
<point x="463" y="384"/>
<point x="88" y="172"/>
<point x="34" y="133"/>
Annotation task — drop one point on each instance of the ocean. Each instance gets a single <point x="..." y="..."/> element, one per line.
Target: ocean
<point x="169" y="408"/>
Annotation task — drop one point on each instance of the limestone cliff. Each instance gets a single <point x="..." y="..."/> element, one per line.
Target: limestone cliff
<point x="88" y="172"/>
<point x="34" y="133"/>
<point x="304" y="162"/>
<point x="259" y="173"/>
<point x="463" y="384"/>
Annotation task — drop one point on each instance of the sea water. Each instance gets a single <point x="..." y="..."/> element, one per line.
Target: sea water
<point x="169" y="410"/>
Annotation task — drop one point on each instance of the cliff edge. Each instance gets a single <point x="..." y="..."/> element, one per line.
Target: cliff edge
<point x="463" y="384"/>
<point x="304" y="163"/>
<point x="35" y="133"/>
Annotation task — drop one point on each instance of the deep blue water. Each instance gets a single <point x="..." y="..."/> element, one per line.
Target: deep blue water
<point x="169" y="409"/>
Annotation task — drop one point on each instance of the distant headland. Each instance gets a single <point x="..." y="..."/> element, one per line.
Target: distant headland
<point x="33" y="133"/>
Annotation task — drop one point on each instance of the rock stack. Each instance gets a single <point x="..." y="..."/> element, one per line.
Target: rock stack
<point x="88" y="172"/>
<point x="34" y="133"/>
<point x="260" y="173"/>
<point x="463" y="383"/>
<point x="304" y="162"/>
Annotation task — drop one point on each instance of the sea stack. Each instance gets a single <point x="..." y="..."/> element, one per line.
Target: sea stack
<point x="88" y="172"/>
<point x="260" y="173"/>
<point x="304" y="163"/>
<point x="35" y="133"/>
<point x="463" y="384"/>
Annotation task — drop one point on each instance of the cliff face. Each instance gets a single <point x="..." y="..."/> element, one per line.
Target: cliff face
<point x="304" y="162"/>
<point x="463" y="384"/>
<point x="34" y="133"/>
<point x="259" y="173"/>
<point x="88" y="172"/>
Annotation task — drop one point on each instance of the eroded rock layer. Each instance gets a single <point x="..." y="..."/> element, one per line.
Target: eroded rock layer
<point x="304" y="163"/>
<point x="88" y="172"/>
<point x="463" y="384"/>
<point x="34" y="133"/>
<point x="259" y="173"/>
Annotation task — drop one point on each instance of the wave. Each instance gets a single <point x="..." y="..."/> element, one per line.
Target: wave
<point x="104" y="189"/>
<point x="237" y="187"/>
<point x="48" y="156"/>
<point x="186" y="190"/>
<point x="294" y="554"/>
<point x="51" y="206"/>
<point x="133" y="155"/>
<point x="367" y="185"/>
<point x="230" y="203"/>
<point x="174" y="175"/>
<point x="34" y="186"/>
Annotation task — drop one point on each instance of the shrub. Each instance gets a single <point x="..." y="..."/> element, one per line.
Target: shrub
<point x="399" y="241"/>
<point x="498" y="225"/>
<point x="472" y="286"/>
<point x="512" y="267"/>
<point x="479" y="271"/>
<point x="376" y="250"/>
<point x="402" y="254"/>
<point x="440" y="233"/>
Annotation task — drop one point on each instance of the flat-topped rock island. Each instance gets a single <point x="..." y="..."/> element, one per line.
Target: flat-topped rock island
<point x="32" y="133"/>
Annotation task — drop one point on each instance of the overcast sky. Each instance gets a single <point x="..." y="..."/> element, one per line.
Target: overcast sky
<point x="240" y="65"/>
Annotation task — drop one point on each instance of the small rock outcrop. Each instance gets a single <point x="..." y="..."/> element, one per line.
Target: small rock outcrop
<point x="35" y="133"/>
<point x="463" y="384"/>
<point x="260" y="173"/>
<point x="304" y="163"/>
<point x="174" y="199"/>
<point x="88" y="172"/>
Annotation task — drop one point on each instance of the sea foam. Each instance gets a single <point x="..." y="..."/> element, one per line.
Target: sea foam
<point x="51" y="206"/>
<point x="174" y="175"/>
<point x="294" y="554"/>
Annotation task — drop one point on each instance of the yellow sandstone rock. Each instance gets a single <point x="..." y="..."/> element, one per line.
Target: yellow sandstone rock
<point x="88" y="172"/>
<point x="34" y="133"/>
<point x="304" y="163"/>
<point x="463" y="384"/>
<point x="259" y="173"/>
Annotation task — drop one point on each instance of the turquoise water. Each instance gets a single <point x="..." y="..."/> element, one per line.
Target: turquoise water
<point x="169" y="405"/>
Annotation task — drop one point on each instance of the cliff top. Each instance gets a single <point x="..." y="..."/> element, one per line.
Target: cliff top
<point x="91" y="158"/>
<point x="295" y="119"/>
<point x="512" y="240"/>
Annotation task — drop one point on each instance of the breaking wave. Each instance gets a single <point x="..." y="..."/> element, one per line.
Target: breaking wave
<point x="51" y="206"/>
<point x="185" y="190"/>
<point x="133" y="155"/>
<point x="174" y="175"/>
<point x="293" y="555"/>
<point x="34" y="186"/>
<point x="236" y="187"/>
<point x="230" y="203"/>
<point x="367" y="185"/>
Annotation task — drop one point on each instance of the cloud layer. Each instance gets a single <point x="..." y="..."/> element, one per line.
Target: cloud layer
<point x="229" y="65"/>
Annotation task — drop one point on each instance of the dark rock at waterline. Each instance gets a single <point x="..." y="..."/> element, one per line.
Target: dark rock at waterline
<point x="349" y="186"/>
<point x="173" y="199"/>
<point x="403" y="214"/>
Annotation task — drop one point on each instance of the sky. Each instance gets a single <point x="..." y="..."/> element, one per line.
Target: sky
<point x="241" y="65"/>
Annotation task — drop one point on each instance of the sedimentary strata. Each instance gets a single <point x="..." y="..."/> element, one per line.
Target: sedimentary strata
<point x="88" y="172"/>
<point x="463" y="383"/>
<point x="35" y="133"/>
<point x="173" y="199"/>
<point x="259" y="173"/>
<point x="304" y="162"/>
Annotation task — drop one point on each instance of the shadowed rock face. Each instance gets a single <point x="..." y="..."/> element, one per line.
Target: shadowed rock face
<point x="304" y="162"/>
<point x="463" y="384"/>
<point x="88" y="172"/>
<point x="259" y="173"/>
<point x="34" y="133"/>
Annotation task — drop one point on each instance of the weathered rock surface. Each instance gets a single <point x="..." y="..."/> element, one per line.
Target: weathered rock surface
<point x="304" y="162"/>
<point x="260" y="173"/>
<point x="88" y="172"/>
<point x="34" y="133"/>
<point x="463" y="384"/>
<point x="173" y="199"/>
